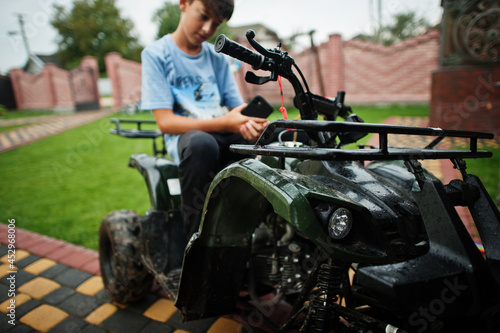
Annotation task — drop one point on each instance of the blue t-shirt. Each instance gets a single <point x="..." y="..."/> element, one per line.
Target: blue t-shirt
<point x="200" y="86"/>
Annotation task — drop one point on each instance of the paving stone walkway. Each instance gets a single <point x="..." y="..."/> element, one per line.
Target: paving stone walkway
<point x="40" y="127"/>
<point x="58" y="288"/>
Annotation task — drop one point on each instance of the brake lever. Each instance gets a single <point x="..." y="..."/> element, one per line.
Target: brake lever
<point x="251" y="77"/>
<point x="250" y="34"/>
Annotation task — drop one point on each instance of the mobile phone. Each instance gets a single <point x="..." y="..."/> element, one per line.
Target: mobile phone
<point x="258" y="107"/>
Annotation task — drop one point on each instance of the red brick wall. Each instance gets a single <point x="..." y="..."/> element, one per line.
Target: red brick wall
<point x="369" y="73"/>
<point x="90" y="81"/>
<point x="466" y="99"/>
<point x="399" y="73"/>
<point x="31" y="91"/>
<point x="125" y="76"/>
<point x="61" y="92"/>
<point x="49" y="89"/>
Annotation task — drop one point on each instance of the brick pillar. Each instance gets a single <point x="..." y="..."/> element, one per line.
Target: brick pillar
<point x="112" y="60"/>
<point x="466" y="88"/>
<point x="333" y="67"/>
<point x="47" y="73"/>
<point x="466" y="99"/>
<point x="16" y="86"/>
<point x="93" y="64"/>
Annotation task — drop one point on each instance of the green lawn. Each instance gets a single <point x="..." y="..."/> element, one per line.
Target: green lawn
<point x="376" y="114"/>
<point x="13" y="114"/>
<point x="10" y="128"/>
<point x="63" y="185"/>
<point x="487" y="169"/>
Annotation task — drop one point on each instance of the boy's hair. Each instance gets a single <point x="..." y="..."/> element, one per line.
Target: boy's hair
<point x="222" y="8"/>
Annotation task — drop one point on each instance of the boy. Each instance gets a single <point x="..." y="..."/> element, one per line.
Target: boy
<point x="190" y="88"/>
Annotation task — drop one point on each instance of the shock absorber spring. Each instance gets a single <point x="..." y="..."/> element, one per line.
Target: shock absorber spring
<point x="329" y="286"/>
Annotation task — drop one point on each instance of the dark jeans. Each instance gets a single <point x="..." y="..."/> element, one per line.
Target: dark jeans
<point x="202" y="156"/>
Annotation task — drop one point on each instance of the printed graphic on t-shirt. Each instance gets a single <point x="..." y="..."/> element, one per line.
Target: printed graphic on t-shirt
<point x="201" y="101"/>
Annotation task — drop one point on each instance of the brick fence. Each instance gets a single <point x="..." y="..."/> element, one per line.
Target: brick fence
<point x="125" y="77"/>
<point x="55" y="88"/>
<point x="46" y="90"/>
<point x="368" y="73"/>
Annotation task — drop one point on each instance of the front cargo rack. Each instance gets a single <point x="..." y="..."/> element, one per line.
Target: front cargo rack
<point x="383" y="152"/>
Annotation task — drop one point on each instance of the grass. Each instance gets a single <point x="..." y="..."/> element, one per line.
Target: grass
<point x="14" y="114"/>
<point x="10" y="128"/>
<point x="371" y="114"/>
<point x="487" y="169"/>
<point x="62" y="186"/>
<point x="376" y="114"/>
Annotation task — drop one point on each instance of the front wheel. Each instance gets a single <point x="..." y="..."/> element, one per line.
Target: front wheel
<point x="124" y="276"/>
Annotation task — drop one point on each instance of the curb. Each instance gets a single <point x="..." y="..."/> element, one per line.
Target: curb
<point x="57" y="288"/>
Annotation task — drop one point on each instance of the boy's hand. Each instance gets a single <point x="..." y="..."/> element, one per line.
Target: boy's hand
<point x="250" y="128"/>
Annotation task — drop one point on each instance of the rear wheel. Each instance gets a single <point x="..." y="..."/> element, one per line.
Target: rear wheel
<point x="124" y="276"/>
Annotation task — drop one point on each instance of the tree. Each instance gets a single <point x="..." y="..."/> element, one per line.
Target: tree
<point x="168" y="18"/>
<point x="94" y="27"/>
<point x="406" y="25"/>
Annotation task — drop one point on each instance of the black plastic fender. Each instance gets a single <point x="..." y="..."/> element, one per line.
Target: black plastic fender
<point x="215" y="260"/>
<point x="161" y="177"/>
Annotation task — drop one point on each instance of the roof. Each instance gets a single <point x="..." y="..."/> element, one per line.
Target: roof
<point x="36" y="62"/>
<point x="267" y="37"/>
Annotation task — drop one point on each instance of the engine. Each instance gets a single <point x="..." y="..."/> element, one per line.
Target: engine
<point x="281" y="259"/>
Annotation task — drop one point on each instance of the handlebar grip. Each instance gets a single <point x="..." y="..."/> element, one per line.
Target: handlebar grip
<point x="235" y="50"/>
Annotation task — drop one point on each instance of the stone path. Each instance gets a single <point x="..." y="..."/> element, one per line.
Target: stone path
<point x="40" y="127"/>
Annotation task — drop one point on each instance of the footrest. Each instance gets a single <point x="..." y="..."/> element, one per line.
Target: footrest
<point x="170" y="282"/>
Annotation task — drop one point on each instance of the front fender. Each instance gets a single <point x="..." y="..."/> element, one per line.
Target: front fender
<point x="216" y="260"/>
<point x="238" y="194"/>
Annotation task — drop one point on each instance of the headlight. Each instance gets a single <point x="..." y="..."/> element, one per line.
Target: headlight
<point x="340" y="223"/>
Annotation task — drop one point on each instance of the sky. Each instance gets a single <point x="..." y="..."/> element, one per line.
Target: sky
<point x="285" y="17"/>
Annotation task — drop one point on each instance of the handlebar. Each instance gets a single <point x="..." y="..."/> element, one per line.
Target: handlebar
<point x="277" y="62"/>
<point x="235" y="50"/>
<point x="280" y="63"/>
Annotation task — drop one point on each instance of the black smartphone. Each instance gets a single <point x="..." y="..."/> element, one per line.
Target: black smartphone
<point x="258" y="107"/>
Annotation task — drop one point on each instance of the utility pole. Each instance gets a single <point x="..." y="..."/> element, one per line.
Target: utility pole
<point x="317" y="61"/>
<point x="379" y="21"/>
<point x="314" y="50"/>
<point x="22" y="32"/>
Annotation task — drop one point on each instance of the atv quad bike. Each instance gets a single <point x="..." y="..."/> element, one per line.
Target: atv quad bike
<point x="348" y="247"/>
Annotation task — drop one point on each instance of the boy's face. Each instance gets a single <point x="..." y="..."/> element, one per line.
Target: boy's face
<point x="199" y="23"/>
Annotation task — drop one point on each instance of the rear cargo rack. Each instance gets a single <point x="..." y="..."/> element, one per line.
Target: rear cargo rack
<point x="139" y="133"/>
<point x="383" y="152"/>
<point x="134" y="133"/>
